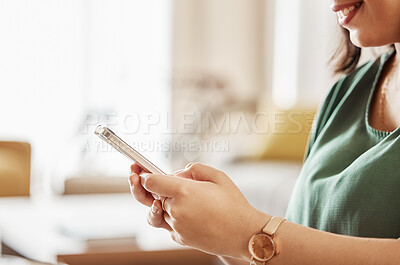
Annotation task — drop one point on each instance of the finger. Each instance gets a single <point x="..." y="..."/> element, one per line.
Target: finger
<point x="155" y="196"/>
<point x="137" y="190"/>
<point x="181" y="174"/>
<point x="156" y="216"/>
<point x="165" y="203"/>
<point x="164" y="185"/>
<point x="199" y="172"/>
<point x="175" y="236"/>
<point x="136" y="168"/>
<point x="168" y="219"/>
<point x="189" y="164"/>
<point x="180" y="171"/>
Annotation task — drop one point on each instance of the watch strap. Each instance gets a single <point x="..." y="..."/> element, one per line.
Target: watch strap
<point x="273" y="224"/>
<point x="269" y="231"/>
<point x="256" y="262"/>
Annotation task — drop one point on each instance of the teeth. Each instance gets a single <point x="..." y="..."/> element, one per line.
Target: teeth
<point x="344" y="12"/>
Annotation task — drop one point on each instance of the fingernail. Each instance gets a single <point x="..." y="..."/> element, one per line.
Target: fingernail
<point x="178" y="171"/>
<point x="154" y="208"/>
<point x="130" y="180"/>
<point x="188" y="165"/>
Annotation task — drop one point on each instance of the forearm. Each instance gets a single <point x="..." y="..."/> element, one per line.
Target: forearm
<point x="300" y="245"/>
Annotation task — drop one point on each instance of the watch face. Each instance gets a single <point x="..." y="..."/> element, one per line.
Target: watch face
<point x="262" y="247"/>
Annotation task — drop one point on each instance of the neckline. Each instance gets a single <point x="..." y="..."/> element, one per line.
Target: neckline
<point x="381" y="134"/>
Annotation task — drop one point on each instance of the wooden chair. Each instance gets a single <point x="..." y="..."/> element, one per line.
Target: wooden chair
<point x="15" y="167"/>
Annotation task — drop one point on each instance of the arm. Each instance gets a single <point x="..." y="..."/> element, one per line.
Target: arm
<point x="302" y="245"/>
<point x="227" y="222"/>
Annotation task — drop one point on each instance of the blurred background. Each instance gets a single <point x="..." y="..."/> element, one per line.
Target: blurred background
<point x="233" y="84"/>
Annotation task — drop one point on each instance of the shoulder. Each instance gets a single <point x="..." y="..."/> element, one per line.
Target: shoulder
<point x="362" y="76"/>
<point x="365" y="74"/>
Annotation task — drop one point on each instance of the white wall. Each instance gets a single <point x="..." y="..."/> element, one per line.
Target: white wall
<point x="223" y="38"/>
<point x="61" y="60"/>
<point x="305" y="37"/>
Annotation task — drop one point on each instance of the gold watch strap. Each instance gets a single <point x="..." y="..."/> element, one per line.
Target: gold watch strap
<point x="256" y="262"/>
<point x="269" y="229"/>
<point x="273" y="224"/>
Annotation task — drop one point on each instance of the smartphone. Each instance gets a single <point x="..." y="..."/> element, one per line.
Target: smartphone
<point x="112" y="139"/>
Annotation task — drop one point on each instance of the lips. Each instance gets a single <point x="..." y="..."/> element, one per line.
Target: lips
<point x="336" y="8"/>
<point x="346" y="12"/>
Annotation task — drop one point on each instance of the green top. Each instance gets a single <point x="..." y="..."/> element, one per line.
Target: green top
<point x="350" y="181"/>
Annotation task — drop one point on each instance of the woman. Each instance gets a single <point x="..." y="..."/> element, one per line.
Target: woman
<point x="345" y="208"/>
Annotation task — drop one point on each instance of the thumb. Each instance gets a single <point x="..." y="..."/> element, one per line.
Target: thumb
<point x="199" y="172"/>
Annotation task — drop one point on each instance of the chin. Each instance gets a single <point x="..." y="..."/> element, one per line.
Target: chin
<point x="365" y="40"/>
<point x="361" y="41"/>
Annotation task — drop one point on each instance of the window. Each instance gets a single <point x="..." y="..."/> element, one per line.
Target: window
<point x="68" y="65"/>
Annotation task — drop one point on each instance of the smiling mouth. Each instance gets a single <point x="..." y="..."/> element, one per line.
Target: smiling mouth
<point x="346" y="11"/>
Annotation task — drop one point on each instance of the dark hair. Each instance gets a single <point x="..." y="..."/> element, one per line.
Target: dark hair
<point x="347" y="55"/>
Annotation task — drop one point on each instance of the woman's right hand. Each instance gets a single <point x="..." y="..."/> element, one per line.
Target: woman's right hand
<point x="155" y="216"/>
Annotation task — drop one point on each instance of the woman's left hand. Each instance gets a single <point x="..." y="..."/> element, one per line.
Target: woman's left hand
<point x="206" y="210"/>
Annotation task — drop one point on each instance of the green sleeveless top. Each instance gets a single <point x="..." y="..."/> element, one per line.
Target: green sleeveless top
<point x="350" y="180"/>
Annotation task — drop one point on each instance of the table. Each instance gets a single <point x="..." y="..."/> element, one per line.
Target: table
<point x="112" y="228"/>
<point x="89" y="229"/>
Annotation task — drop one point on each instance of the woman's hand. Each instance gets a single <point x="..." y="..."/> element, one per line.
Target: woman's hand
<point x="204" y="209"/>
<point x="155" y="216"/>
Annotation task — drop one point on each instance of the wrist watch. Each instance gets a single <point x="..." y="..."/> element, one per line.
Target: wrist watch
<point x="262" y="246"/>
